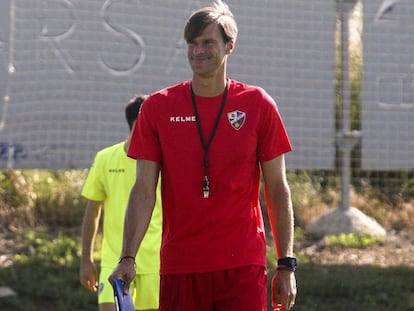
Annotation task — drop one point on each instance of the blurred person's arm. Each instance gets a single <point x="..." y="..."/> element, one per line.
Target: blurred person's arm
<point x="90" y="225"/>
<point x="280" y="211"/>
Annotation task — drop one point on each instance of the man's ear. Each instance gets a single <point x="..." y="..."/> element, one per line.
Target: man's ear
<point x="230" y="46"/>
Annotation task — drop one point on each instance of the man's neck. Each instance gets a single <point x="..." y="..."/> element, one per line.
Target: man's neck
<point x="208" y="87"/>
<point x="126" y="143"/>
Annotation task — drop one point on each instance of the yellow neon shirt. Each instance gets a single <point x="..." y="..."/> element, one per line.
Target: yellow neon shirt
<point x="110" y="180"/>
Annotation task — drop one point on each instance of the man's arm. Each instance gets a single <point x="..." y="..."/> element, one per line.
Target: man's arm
<point x="279" y="205"/>
<point x="137" y="218"/>
<point x="280" y="211"/>
<point x="88" y="274"/>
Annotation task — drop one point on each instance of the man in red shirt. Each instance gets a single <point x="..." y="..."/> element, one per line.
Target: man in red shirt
<point x="211" y="137"/>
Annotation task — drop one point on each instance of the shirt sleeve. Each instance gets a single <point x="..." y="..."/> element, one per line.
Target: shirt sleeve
<point x="93" y="188"/>
<point x="144" y="143"/>
<point x="273" y="137"/>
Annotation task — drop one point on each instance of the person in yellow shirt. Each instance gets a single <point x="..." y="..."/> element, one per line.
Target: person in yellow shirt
<point x="107" y="188"/>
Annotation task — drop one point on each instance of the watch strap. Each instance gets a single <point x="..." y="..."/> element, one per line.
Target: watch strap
<point x="287" y="261"/>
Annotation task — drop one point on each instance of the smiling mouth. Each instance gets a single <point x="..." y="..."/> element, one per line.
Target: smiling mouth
<point x="199" y="58"/>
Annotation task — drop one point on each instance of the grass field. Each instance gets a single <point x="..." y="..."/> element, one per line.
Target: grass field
<point x="45" y="276"/>
<point x="41" y="212"/>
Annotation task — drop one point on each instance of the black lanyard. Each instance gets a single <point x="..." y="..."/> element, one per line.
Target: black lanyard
<point x="206" y="184"/>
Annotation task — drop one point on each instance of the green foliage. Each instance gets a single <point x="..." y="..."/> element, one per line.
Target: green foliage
<point x="45" y="275"/>
<point x="392" y="187"/>
<point x="352" y="240"/>
<point x="343" y="288"/>
<point x="13" y="189"/>
<point x="58" y="199"/>
<point x="16" y="202"/>
<point x="312" y="193"/>
<point x="61" y="250"/>
<point x="304" y="191"/>
<point x="41" y="197"/>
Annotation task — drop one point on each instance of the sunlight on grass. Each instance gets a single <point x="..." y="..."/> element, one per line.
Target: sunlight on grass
<point x="62" y="250"/>
<point x="352" y="240"/>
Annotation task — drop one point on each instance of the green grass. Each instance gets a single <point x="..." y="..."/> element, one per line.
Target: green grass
<point x="45" y="277"/>
<point x="45" y="286"/>
<point x="343" y="288"/>
<point x="352" y="240"/>
<point x="45" y="272"/>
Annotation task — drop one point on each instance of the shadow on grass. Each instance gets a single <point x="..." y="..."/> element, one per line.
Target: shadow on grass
<point x="49" y="287"/>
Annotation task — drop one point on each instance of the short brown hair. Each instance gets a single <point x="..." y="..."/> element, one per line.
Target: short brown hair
<point x="218" y="13"/>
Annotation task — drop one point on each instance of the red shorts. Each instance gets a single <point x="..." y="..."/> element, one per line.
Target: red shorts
<point x="238" y="289"/>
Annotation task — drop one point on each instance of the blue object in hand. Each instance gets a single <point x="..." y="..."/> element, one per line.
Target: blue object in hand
<point x="123" y="302"/>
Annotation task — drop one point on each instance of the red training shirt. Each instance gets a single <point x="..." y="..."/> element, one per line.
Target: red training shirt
<point x="226" y="230"/>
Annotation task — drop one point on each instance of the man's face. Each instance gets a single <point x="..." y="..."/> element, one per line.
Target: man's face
<point x="207" y="52"/>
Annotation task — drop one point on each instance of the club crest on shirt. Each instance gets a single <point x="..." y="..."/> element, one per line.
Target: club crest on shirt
<point x="236" y="119"/>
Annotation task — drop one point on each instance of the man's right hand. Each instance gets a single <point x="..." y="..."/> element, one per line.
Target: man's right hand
<point x="125" y="271"/>
<point x="88" y="276"/>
